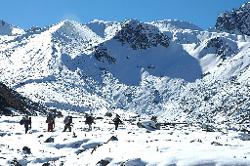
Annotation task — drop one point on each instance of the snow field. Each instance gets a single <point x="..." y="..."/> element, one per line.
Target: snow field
<point x="182" y="145"/>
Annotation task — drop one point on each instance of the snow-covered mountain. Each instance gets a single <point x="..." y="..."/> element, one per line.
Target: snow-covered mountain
<point x="236" y="21"/>
<point x="170" y="68"/>
<point x="7" y="29"/>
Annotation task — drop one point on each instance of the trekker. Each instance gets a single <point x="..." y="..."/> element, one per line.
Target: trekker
<point x="30" y="122"/>
<point x="51" y="122"/>
<point x="154" y="118"/>
<point x="67" y="123"/>
<point x="89" y="120"/>
<point x="116" y="121"/>
<point x="25" y="121"/>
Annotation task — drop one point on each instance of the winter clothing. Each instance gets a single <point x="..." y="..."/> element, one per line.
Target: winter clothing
<point x="51" y="122"/>
<point x="26" y="122"/>
<point x="116" y="121"/>
<point x="67" y="123"/>
<point x="154" y="118"/>
<point x="89" y="121"/>
<point x="29" y="122"/>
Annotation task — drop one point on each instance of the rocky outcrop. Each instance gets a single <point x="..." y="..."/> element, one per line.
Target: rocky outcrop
<point x="221" y="46"/>
<point x="236" y="21"/>
<point x="5" y="28"/>
<point x="8" y="29"/>
<point x="102" y="55"/>
<point x="11" y="100"/>
<point x="141" y="35"/>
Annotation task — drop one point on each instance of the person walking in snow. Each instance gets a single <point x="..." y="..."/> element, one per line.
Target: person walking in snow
<point x="117" y="121"/>
<point x="89" y="120"/>
<point x="67" y="123"/>
<point x="51" y="122"/>
<point x="154" y="118"/>
<point x="26" y="122"/>
<point x="30" y="122"/>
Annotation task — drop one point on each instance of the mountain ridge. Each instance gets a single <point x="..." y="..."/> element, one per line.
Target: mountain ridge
<point x="168" y="68"/>
<point x="236" y="21"/>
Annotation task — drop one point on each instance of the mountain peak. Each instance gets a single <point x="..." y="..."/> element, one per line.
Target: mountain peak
<point x="141" y="35"/>
<point x="237" y="21"/>
<point x="131" y="21"/>
<point x="70" y="22"/>
<point x="168" y="24"/>
<point x="8" y="29"/>
<point x="73" y="29"/>
<point x="103" y="28"/>
<point x="5" y="28"/>
<point x="75" y="37"/>
<point x="246" y="5"/>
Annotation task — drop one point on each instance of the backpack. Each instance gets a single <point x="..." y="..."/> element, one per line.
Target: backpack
<point x="117" y="120"/>
<point x="70" y="119"/>
<point x="89" y="120"/>
<point x="50" y="119"/>
<point x="67" y="120"/>
<point x="21" y="122"/>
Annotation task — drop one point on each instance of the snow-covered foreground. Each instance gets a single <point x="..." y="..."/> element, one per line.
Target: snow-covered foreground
<point x="171" y="145"/>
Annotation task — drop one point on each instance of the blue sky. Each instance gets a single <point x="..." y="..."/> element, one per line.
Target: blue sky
<point x="26" y="13"/>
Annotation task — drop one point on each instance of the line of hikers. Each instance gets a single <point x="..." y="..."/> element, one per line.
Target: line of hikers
<point x="68" y="122"/>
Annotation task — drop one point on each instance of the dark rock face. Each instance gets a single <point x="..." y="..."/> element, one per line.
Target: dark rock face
<point x="236" y="21"/>
<point x="141" y="36"/>
<point x="221" y="46"/>
<point x="2" y="23"/>
<point x="5" y="28"/>
<point x="11" y="99"/>
<point x="102" y="55"/>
